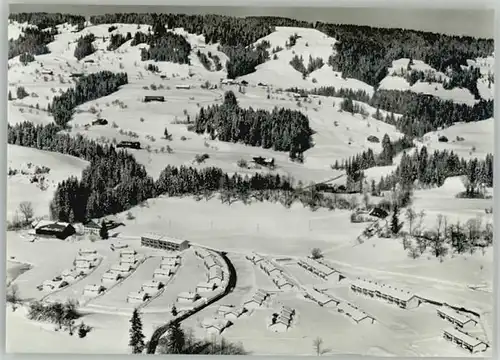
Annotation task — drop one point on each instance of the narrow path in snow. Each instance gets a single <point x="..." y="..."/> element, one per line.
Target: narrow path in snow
<point x="425" y="278"/>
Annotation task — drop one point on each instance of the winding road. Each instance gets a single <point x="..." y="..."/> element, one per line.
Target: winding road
<point x="159" y="332"/>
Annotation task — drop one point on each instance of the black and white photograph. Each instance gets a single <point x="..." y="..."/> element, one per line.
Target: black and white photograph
<point x="250" y="181"/>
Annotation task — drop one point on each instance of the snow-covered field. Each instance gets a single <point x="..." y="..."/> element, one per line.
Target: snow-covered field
<point x="19" y="186"/>
<point x="264" y="227"/>
<point x="467" y="140"/>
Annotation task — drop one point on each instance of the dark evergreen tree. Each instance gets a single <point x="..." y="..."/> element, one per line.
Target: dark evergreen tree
<point x="84" y="46"/>
<point x="103" y="231"/>
<point x="176" y="338"/>
<point x="395" y="220"/>
<point x="136" y="336"/>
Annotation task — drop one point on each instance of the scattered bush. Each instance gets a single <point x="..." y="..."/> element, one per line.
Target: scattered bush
<point x="199" y="159"/>
<point x="373" y="139"/>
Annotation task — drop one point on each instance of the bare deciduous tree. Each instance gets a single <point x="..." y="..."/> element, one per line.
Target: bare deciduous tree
<point x="26" y="208"/>
<point x="318" y="346"/>
<point x="411" y="215"/>
<point x="12" y="296"/>
<point x="413" y="252"/>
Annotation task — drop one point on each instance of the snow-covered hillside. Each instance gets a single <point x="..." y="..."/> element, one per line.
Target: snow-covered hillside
<point x="282" y="235"/>
<point x="395" y="80"/>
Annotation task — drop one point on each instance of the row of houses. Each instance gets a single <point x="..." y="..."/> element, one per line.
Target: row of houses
<point x="319" y="298"/>
<point x="216" y="271"/>
<point x="403" y="299"/>
<point x="127" y="262"/>
<point x="168" y="266"/>
<point x="345" y="308"/>
<point x="268" y="267"/>
<point x="457" y="319"/>
<point x="148" y="289"/>
<point x="86" y="260"/>
<point x="282" y="281"/>
<point x="464" y="340"/>
<point x="188" y="296"/>
<point x="257" y="299"/>
<point x="217" y="325"/>
<point x="283" y="320"/>
<point x="354" y="313"/>
<point x="231" y="312"/>
<point x="316" y="268"/>
<point x="254" y="258"/>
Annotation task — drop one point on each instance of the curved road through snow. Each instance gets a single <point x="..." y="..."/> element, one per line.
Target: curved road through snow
<point x="159" y="332"/>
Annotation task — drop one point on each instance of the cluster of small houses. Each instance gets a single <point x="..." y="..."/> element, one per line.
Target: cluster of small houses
<point x="217" y="272"/>
<point x="458" y="333"/>
<point x="357" y="315"/>
<point x="86" y="260"/>
<point x="224" y="318"/>
<point x="257" y="300"/>
<point x="282" y="321"/>
<point x="127" y="263"/>
<point x="277" y="276"/>
<point x="406" y="300"/>
<point x="168" y="267"/>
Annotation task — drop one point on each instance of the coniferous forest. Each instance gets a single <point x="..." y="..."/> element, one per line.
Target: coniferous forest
<point x="90" y="87"/>
<point x="280" y="129"/>
<point x="84" y="46"/>
<point x="363" y="53"/>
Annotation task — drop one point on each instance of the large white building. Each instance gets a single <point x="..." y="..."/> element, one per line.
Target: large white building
<point x="401" y="298"/>
<point x="163" y="242"/>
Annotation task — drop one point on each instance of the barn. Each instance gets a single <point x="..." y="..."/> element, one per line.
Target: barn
<point x="150" y="98"/>
<point x="58" y="230"/>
